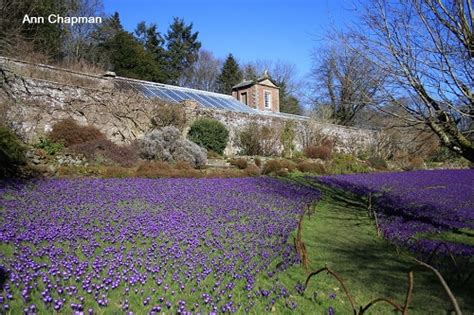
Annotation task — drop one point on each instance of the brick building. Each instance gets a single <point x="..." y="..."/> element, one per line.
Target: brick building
<point x="261" y="94"/>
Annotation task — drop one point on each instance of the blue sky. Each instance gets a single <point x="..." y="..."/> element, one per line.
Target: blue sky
<point x="250" y="30"/>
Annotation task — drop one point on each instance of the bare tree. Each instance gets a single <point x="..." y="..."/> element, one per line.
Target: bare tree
<point x="426" y="47"/>
<point x="203" y="74"/>
<point x="281" y="72"/>
<point x="345" y="81"/>
<point x="284" y="74"/>
<point x="77" y="44"/>
<point x="16" y="38"/>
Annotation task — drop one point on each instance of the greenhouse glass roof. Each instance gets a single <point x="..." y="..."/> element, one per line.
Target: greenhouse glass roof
<point x="177" y="94"/>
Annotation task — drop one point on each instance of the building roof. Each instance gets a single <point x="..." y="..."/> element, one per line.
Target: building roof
<point x="176" y="94"/>
<point x="245" y="83"/>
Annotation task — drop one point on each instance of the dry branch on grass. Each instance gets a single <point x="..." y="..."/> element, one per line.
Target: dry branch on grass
<point x="409" y="295"/>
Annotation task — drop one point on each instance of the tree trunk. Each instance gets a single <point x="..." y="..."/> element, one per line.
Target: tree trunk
<point x="453" y="139"/>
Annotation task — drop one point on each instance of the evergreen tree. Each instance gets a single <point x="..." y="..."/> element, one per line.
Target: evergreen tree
<point x="106" y="31"/>
<point x="151" y="39"/>
<point x="288" y="103"/>
<point x="291" y="105"/>
<point x="250" y="73"/>
<point x="153" y="43"/>
<point x="182" y="48"/>
<point x="230" y="75"/>
<point x="102" y="39"/>
<point x="130" y="59"/>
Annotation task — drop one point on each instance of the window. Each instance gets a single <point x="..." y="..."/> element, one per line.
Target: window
<point x="268" y="99"/>
<point x="243" y="98"/>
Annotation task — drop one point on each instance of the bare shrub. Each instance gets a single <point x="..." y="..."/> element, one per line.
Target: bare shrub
<point x="287" y="164"/>
<point x="255" y="139"/>
<point x="68" y="132"/>
<point x="415" y="163"/>
<point x="271" y="166"/>
<point x="311" y="167"/>
<point x="228" y="173"/>
<point x="282" y="172"/>
<point x="377" y="162"/>
<point x="169" y="115"/>
<point x="384" y="145"/>
<point x="258" y="161"/>
<point x="252" y="170"/>
<point x="312" y="134"/>
<point x="157" y="169"/>
<point x="106" y="152"/>
<point x="116" y="172"/>
<point x="168" y="145"/>
<point x="239" y="163"/>
<point x="182" y="165"/>
<point x="323" y="152"/>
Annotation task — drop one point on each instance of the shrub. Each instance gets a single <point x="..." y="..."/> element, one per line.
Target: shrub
<point x="377" y="162"/>
<point x="49" y="146"/>
<point x="282" y="172"/>
<point x="182" y="165"/>
<point x="169" y="115"/>
<point x="290" y="166"/>
<point x="78" y="170"/>
<point x="107" y="152"/>
<point x="239" y="163"/>
<point x="271" y="166"/>
<point x="346" y="163"/>
<point x="323" y="152"/>
<point x="157" y="169"/>
<point x="415" y="163"/>
<point x="288" y="138"/>
<point x="115" y="172"/>
<point x="258" y="161"/>
<point x="252" y="170"/>
<point x="363" y="155"/>
<point x="311" y="167"/>
<point x="152" y="169"/>
<point x="443" y="154"/>
<point x="209" y="134"/>
<point x="185" y="150"/>
<point x="298" y="155"/>
<point x="224" y="173"/>
<point x="12" y="152"/>
<point x="68" y="132"/>
<point x="249" y="141"/>
<point x="167" y="145"/>
<point x="255" y="139"/>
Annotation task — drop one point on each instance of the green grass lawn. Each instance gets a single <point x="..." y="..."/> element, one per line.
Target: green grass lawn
<point x="342" y="237"/>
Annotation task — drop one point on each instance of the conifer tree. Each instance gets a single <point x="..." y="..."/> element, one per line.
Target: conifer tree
<point x="230" y="75"/>
<point x="130" y="59"/>
<point x="182" y="48"/>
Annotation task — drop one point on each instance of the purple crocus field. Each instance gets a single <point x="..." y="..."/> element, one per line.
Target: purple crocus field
<point x="410" y="204"/>
<point x="142" y="245"/>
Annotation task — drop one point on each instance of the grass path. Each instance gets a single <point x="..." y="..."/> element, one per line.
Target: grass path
<point x="341" y="236"/>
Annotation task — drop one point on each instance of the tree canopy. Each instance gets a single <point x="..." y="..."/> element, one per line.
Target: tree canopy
<point x="182" y="48"/>
<point x="229" y="76"/>
<point x="426" y="50"/>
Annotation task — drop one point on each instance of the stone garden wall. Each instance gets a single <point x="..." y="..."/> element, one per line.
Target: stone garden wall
<point x="34" y="97"/>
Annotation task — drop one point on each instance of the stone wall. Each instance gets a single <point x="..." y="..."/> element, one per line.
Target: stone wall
<point x="37" y="96"/>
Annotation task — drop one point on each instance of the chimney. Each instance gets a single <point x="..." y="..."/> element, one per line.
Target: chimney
<point x="109" y="74"/>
